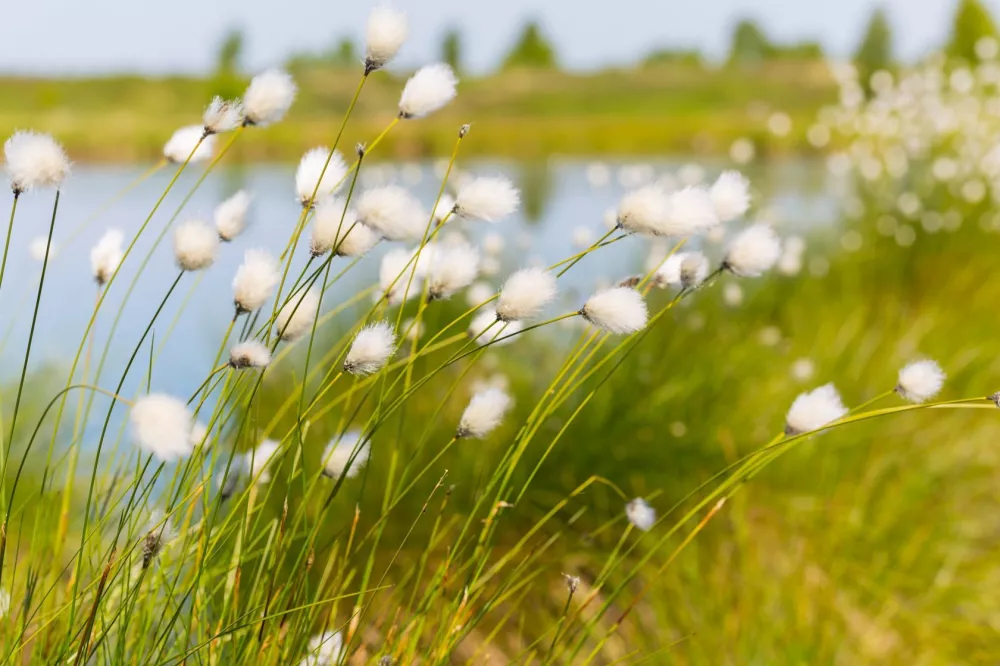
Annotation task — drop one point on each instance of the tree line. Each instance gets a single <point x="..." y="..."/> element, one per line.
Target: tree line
<point x="749" y="46"/>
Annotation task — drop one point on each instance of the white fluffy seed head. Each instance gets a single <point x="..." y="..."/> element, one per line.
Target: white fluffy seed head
<point x="222" y="115"/>
<point x="693" y="269"/>
<point x="387" y="30"/>
<point x="34" y="160"/>
<point x="640" y="514"/>
<point x="307" y="177"/>
<point x="195" y="244"/>
<point x="345" y="455"/>
<point x="324" y="649"/>
<point x="255" y="280"/>
<point x="199" y="434"/>
<point x="161" y="425"/>
<point x="39" y="247"/>
<point x="335" y="227"/>
<point x="428" y="90"/>
<point x="372" y="347"/>
<point x="920" y="381"/>
<point x="619" y="310"/>
<point x="484" y="413"/>
<point x="487" y="198"/>
<point x="444" y="208"/>
<point x="669" y="272"/>
<point x="485" y="328"/>
<point x="525" y="293"/>
<point x="731" y="196"/>
<point x="268" y="97"/>
<point x="396" y="279"/>
<point x="644" y="211"/>
<point x="106" y="255"/>
<point x="690" y="211"/>
<point x="296" y="317"/>
<point x="454" y="268"/>
<point x="814" y="409"/>
<point x="753" y="251"/>
<point x="249" y="354"/>
<point x="231" y="215"/>
<point x="184" y="144"/>
<point x="393" y="213"/>
<point x="259" y="460"/>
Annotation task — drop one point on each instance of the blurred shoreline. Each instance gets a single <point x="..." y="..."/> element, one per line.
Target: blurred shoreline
<point x="685" y="108"/>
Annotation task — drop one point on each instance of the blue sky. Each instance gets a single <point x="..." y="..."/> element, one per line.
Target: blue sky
<point x="160" y="36"/>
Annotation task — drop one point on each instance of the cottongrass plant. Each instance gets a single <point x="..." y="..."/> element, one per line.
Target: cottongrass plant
<point x="228" y="527"/>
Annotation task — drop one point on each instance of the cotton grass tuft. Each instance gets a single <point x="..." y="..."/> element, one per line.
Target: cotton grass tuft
<point x="34" y="161"/>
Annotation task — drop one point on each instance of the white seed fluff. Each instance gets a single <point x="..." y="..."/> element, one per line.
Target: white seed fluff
<point x="484" y="413"/>
<point x="753" y="251"/>
<point x="268" y="97"/>
<point x="428" y="90"/>
<point x="259" y="459"/>
<point x="454" y="268"/>
<point x="199" y="433"/>
<point x="324" y="649"/>
<point x="690" y="211"/>
<point x="372" y="347"/>
<point x="39" y="247"/>
<point x="387" y="30"/>
<point x="393" y="213"/>
<point x="307" y="177"/>
<point x="337" y="457"/>
<point x="730" y="196"/>
<point x="161" y="425"/>
<point x="335" y="227"/>
<point x="106" y="255"/>
<point x="525" y="293"/>
<point x="195" y="244"/>
<point x="296" y="317"/>
<point x="34" y="160"/>
<point x="693" y="269"/>
<point x="187" y="144"/>
<point x="255" y="280"/>
<point x="222" y="115"/>
<point x="487" y="198"/>
<point x="249" y="354"/>
<point x="444" y="208"/>
<point x="920" y="381"/>
<point x="397" y="279"/>
<point x="669" y="272"/>
<point x="619" y="310"/>
<point x="640" y="514"/>
<point x="644" y="211"/>
<point x="485" y="328"/>
<point x="231" y="215"/>
<point x="814" y="409"/>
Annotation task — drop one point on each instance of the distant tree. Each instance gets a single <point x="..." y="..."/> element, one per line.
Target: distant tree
<point x="875" y="49"/>
<point x="226" y="78"/>
<point x="971" y="23"/>
<point x="673" y="57"/>
<point x="532" y="49"/>
<point x="227" y="60"/>
<point x="451" y="49"/>
<point x="749" y="44"/>
<point x="345" y="54"/>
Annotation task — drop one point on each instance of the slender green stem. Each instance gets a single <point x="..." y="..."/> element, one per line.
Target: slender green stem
<point x="10" y="231"/>
<point x="24" y="366"/>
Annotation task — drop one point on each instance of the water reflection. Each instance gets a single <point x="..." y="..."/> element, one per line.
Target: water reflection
<point x="566" y="204"/>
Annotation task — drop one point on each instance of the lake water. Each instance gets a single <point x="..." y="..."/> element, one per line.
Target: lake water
<point x="565" y="205"/>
